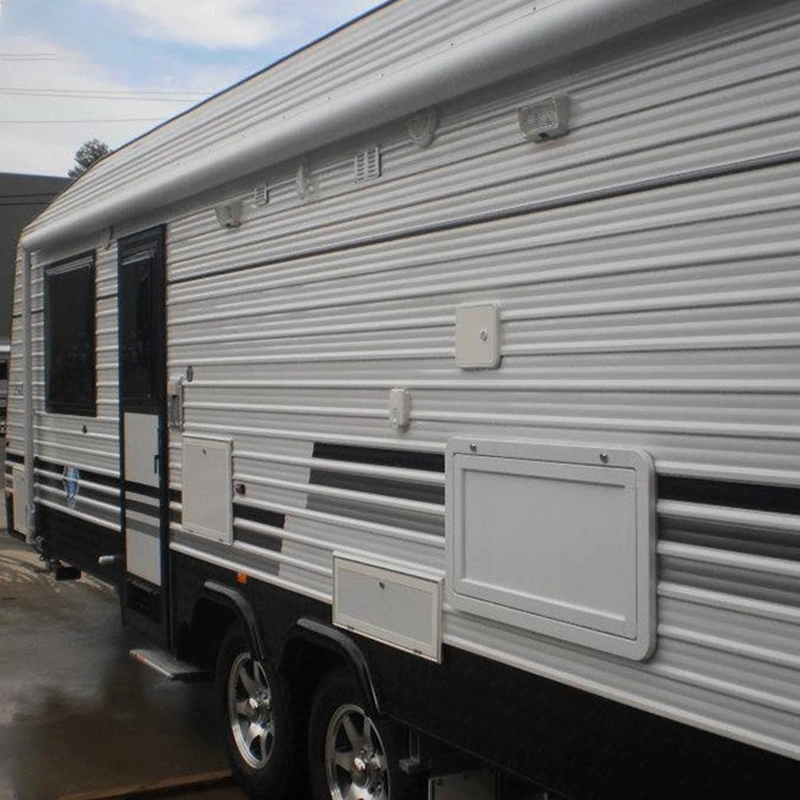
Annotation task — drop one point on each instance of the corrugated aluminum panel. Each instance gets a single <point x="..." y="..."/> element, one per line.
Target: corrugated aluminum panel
<point x="649" y="291"/>
<point x="635" y="310"/>
<point x="621" y="135"/>
<point x="61" y="439"/>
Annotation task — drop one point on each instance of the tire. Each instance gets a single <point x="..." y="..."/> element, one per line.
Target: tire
<point x="350" y="754"/>
<point x="257" y="720"/>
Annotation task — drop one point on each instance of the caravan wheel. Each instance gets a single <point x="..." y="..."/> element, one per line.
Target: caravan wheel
<point x="351" y="755"/>
<point x="256" y="718"/>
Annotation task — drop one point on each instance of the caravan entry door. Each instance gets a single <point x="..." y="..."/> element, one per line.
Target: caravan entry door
<point x="143" y="433"/>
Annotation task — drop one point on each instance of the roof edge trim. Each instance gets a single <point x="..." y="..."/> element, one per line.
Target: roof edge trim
<point x="544" y="35"/>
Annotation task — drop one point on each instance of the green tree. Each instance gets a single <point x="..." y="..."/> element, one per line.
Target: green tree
<point x="86" y="155"/>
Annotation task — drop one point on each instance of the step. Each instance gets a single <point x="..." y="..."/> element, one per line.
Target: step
<point x="169" y="666"/>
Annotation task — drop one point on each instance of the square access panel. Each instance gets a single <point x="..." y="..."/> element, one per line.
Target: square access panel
<point x="554" y="538"/>
<point x="208" y="488"/>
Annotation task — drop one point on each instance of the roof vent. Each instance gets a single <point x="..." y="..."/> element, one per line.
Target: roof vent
<point x="422" y="126"/>
<point x="261" y="195"/>
<point x="367" y="164"/>
<point x="545" y="119"/>
<point x="229" y="215"/>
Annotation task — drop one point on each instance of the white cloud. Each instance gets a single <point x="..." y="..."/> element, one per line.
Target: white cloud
<point x="208" y="23"/>
<point x="34" y="134"/>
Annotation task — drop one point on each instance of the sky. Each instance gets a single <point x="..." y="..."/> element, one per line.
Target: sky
<point x="74" y="70"/>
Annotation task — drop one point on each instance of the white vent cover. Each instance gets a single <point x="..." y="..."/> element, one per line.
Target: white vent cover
<point x="229" y="215"/>
<point x="367" y="164"/>
<point x="261" y="195"/>
<point x="302" y="182"/>
<point x="422" y="126"/>
<point x="545" y="119"/>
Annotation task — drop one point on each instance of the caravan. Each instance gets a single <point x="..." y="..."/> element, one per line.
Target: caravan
<point x="436" y="391"/>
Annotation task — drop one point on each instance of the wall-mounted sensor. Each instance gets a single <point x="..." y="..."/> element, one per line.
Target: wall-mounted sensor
<point x="545" y="119"/>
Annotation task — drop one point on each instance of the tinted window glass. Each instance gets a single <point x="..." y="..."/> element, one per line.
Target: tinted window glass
<point x="69" y="338"/>
<point x="138" y="356"/>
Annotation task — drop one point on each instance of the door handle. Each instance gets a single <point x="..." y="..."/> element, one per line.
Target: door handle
<point x="155" y="464"/>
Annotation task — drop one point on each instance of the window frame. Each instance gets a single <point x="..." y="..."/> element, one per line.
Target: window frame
<point x="84" y="406"/>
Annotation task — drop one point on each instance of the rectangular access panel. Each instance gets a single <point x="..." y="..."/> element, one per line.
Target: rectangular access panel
<point x="553" y="538"/>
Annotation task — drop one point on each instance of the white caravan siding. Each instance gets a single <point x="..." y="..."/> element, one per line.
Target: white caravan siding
<point x="649" y="294"/>
<point x="87" y="443"/>
<point x="646" y="269"/>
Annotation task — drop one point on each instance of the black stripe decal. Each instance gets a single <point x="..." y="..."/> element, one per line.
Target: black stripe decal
<point x="266" y="540"/>
<point x="387" y="487"/>
<point x="384" y="457"/>
<point x="751" y="496"/>
<point x="83" y="492"/>
<point x="253" y="514"/>
<point x="86" y="474"/>
<point x="143" y="489"/>
<point x="142" y="508"/>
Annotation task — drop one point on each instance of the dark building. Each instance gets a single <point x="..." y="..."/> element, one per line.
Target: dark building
<point x="22" y="197"/>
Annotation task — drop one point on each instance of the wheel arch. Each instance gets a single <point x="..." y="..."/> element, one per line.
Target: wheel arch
<point x="215" y="609"/>
<point x="331" y="648"/>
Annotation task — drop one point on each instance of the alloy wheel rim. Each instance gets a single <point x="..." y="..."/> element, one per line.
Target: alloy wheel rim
<point x="250" y="710"/>
<point x="355" y="758"/>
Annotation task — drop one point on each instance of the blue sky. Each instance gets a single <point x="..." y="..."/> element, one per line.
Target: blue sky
<point x="71" y="70"/>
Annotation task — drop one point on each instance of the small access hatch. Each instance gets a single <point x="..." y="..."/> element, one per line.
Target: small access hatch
<point x="556" y="539"/>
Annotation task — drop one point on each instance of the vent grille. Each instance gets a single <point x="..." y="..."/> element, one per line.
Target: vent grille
<point x="545" y="119"/>
<point x="367" y="164"/>
<point x="261" y="195"/>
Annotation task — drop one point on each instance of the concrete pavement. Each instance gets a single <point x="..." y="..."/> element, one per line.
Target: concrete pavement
<point x="76" y="713"/>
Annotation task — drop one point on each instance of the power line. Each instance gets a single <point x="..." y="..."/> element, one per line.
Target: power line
<point x="29" y="57"/>
<point x="40" y="195"/>
<point x="108" y="94"/>
<point x="77" y="121"/>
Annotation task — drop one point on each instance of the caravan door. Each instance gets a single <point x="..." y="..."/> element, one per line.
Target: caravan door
<point x="143" y="433"/>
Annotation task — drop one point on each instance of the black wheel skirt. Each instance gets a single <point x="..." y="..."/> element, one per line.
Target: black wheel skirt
<point x="79" y="543"/>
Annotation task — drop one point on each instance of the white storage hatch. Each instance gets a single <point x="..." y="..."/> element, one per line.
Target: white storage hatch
<point x="557" y="539"/>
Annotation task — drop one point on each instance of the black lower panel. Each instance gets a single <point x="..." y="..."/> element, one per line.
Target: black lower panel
<point x="79" y="543"/>
<point x="578" y="744"/>
<point x="568" y="741"/>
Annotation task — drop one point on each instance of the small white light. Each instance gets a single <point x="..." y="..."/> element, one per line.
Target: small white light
<point x="302" y="182"/>
<point x="422" y="126"/>
<point x="399" y="408"/>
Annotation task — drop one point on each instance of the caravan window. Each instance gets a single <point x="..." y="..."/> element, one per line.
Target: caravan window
<point x="69" y="312"/>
